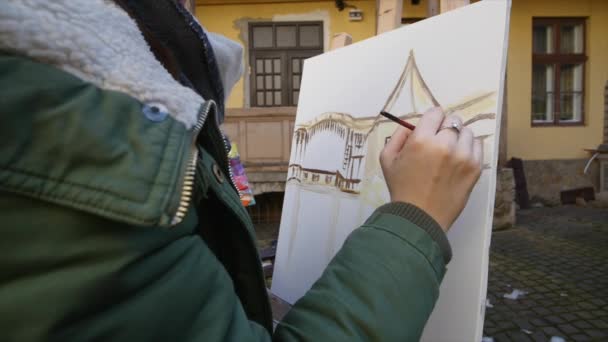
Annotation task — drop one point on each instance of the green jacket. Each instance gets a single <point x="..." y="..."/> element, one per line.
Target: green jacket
<point x="90" y="192"/>
<point x="118" y="217"/>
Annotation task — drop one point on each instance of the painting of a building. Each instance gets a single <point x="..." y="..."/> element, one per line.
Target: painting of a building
<point x="361" y="138"/>
<point x="335" y="181"/>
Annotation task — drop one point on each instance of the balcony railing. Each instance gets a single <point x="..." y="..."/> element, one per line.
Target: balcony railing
<point x="263" y="136"/>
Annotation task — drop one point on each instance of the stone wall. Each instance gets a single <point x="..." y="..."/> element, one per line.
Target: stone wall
<point x="606" y="114"/>
<point x="504" y="205"/>
<point x="546" y="178"/>
<point x="263" y="182"/>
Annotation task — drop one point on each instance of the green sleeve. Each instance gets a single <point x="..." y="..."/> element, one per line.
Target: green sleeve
<point x="76" y="276"/>
<point x="70" y="274"/>
<point x="381" y="286"/>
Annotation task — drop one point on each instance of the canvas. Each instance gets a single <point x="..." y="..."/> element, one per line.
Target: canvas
<point x="456" y="61"/>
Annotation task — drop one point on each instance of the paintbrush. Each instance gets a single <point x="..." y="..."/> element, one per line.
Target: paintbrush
<point x="397" y="120"/>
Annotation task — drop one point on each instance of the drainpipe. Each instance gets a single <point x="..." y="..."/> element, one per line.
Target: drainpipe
<point x="448" y="5"/>
<point x="441" y="6"/>
<point x="389" y="14"/>
<point x="603" y="147"/>
<point x="433" y="8"/>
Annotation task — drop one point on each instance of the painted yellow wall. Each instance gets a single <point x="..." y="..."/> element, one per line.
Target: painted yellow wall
<point x="415" y="11"/>
<point x="223" y="19"/>
<point x="525" y="141"/>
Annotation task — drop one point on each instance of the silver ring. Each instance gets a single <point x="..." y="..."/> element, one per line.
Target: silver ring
<point x="453" y="125"/>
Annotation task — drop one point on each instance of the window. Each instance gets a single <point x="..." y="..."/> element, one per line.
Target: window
<point x="277" y="51"/>
<point x="558" y="71"/>
<point x="409" y="21"/>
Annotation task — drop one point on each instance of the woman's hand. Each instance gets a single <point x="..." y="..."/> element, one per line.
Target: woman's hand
<point x="434" y="167"/>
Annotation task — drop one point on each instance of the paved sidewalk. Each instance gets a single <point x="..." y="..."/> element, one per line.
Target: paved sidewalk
<point x="559" y="257"/>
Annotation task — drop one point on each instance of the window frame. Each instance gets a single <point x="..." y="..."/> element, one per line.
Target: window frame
<point x="410" y="20"/>
<point x="285" y="54"/>
<point x="557" y="59"/>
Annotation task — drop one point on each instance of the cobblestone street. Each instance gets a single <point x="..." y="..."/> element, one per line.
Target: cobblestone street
<point x="558" y="257"/>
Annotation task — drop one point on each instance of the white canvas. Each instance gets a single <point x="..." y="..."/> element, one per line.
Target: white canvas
<point x="455" y="60"/>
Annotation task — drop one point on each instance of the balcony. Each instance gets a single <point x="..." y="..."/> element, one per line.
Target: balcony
<point x="263" y="136"/>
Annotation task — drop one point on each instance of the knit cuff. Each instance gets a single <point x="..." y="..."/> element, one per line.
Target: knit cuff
<point x="424" y="221"/>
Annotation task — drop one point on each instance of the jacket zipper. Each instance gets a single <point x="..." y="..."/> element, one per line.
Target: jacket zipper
<point x="190" y="172"/>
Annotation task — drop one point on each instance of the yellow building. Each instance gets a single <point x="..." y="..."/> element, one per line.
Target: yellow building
<point x="556" y="78"/>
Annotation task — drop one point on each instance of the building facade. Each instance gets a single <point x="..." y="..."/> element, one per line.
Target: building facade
<point x="556" y="79"/>
<point x="556" y="76"/>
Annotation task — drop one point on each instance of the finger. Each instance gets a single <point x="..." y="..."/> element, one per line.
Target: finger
<point x="397" y="140"/>
<point x="464" y="146"/>
<point x="478" y="152"/>
<point x="449" y="136"/>
<point x="430" y="122"/>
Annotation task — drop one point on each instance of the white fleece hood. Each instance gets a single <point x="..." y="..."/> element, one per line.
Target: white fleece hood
<point x="98" y="42"/>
